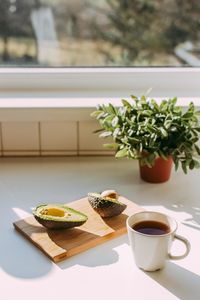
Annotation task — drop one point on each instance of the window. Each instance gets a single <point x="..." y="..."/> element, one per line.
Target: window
<point x="62" y="33"/>
<point x="41" y="39"/>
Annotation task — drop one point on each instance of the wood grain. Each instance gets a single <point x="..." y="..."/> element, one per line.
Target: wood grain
<point x="62" y="244"/>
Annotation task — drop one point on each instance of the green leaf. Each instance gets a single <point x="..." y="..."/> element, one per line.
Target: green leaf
<point x="197" y="129"/>
<point x="126" y="104"/>
<point x="116" y="132"/>
<point x="146" y="162"/>
<point x="132" y="154"/>
<point x="95" y="113"/>
<point x="191" y="107"/>
<point x="140" y="147"/>
<point x="163" y="105"/>
<point x="184" y="166"/>
<point x="177" y="110"/>
<point x="176" y="162"/>
<point x="143" y="100"/>
<point x="187" y="115"/>
<point x="121" y="153"/>
<point x="101" y="115"/>
<point x="134" y="97"/>
<point x="133" y="139"/>
<point x="161" y="153"/>
<point x="122" y="111"/>
<point x="109" y="118"/>
<point x="191" y="164"/>
<point x="112" y="146"/>
<point x="174" y="100"/>
<point x="167" y="124"/>
<point x="151" y="158"/>
<point x="111" y="109"/>
<point x="98" y="130"/>
<point x="164" y="132"/>
<point x="105" y="134"/>
<point x="115" y="121"/>
<point x="197" y="149"/>
<point x="146" y="113"/>
<point x="152" y="128"/>
<point x="155" y="105"/>
<point x="194" y="119"/>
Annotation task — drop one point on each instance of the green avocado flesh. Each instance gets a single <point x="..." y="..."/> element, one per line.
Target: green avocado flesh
<point x="105" y="206"/>
<point x="54" y="216"/>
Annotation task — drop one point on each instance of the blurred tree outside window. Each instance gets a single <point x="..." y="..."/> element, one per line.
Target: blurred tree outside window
<point x="71" y="33"/>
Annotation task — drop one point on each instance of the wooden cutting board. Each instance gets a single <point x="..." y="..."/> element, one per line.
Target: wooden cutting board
<point x="62" y="244"/>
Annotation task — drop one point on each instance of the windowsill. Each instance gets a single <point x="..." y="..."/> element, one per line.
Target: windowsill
<point x="75" y="102"/>
<point x="56" y="102"/>
<point x="102" y="81"/>
<point x="28" y="109"/>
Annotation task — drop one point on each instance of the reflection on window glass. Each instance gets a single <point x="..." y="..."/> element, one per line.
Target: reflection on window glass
<point x="64" y="33"/>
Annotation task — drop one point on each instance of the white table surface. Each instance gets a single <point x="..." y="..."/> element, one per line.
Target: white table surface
<point x="106" y="271"/>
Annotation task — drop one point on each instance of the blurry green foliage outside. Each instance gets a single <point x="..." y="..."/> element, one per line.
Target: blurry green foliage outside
<point x="67" y="33"/>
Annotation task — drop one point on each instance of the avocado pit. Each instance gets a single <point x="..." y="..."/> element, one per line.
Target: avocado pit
<point x="54" y="212"/>
<point x="106" y="204"/>
<point x="58" y="216"/>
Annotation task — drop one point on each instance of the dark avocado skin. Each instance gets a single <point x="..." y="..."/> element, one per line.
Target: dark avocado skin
<point x="56" y="224"/>
<point x="104" y="207"/>
<point x="51" y="224"/>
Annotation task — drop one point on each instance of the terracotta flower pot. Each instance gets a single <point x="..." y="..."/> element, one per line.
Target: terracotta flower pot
<point x="160" y="172"/>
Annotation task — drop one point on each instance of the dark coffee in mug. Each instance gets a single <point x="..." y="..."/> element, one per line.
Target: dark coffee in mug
<point x="151" y="227"/>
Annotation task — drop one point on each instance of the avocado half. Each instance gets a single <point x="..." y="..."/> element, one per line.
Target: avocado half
<point x="106" y="206"/>
<point x="57" y="216"/>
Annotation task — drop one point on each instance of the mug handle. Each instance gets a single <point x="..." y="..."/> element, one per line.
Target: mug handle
<point x="187" y="244"/>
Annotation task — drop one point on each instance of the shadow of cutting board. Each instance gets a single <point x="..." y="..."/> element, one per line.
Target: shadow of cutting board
<point x="62" y="244"/>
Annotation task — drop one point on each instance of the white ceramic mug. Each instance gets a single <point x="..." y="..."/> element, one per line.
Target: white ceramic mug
<point x="151" y="251"/>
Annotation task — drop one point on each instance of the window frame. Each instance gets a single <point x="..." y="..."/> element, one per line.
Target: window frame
<point x="104" y="82"/>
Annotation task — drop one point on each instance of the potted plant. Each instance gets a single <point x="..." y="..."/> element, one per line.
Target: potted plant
<point x="156" y="134"/>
